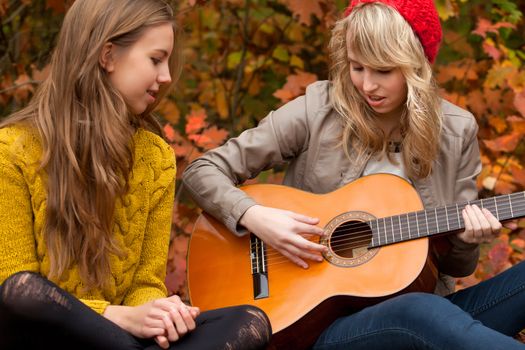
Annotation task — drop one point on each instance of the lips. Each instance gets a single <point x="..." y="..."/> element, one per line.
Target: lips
<point x="374" y="101"/>
<point x="152" y="94"/>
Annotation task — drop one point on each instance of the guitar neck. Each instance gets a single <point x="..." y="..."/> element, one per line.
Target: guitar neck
<point x="442" y="220"/>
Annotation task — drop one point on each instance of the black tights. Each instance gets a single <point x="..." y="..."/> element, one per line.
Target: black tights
<point x="35" y="313"/>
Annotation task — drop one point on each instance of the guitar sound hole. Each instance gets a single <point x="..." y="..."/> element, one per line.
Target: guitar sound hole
<point x="351" y="239"/>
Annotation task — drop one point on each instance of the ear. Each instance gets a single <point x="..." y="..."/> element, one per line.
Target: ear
<point x="106" y="57"/>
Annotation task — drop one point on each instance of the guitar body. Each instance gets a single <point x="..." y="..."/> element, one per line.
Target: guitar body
<point x="302" y="302"/>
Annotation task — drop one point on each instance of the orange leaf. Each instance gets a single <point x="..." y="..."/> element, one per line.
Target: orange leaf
<point x="519" y="102"/>
<point x="195" y="121"/>
<point x="517" y="123"/>
<point x="209" y="138"/>
<point x="506" y="143"/>
<point x="169" y="110"/>
<point x="476" y="102"/>
<point x="305" y="9"/>
<point x="497" y="123"/>
<point x="519" y="175"/>
<point x="295" y="86"/>
<point x="170" y="132"/>
<point x="504" y="186"/>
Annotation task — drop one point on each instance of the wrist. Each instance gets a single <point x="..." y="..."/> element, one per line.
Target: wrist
<point x="118" y="314"/>
<point x="245" y="219"/>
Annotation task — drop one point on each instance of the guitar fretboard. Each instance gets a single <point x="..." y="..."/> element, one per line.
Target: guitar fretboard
<point x="424" y="223"/>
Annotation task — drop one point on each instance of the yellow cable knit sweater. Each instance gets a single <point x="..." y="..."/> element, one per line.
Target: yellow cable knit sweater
<point x="142" y="219"/>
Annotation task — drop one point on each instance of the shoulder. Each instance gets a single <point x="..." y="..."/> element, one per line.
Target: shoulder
<point x="318" y="95"/>
<point x="19" y="143"/>
<point x="152" y="150"/>
<point x="458" y="122"/>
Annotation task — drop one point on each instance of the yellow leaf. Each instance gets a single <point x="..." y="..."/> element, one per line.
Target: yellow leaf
<point x="169" y="110"/>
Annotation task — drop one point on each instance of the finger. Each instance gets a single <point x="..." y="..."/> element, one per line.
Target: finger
<point x="484" y="224"/>
<point x="303" y="218"/>
<point x="174" y="299"/>
<point x="293" y="258"/>
<point x="150" y="332"/>
<point x="178" y="321"/>
<point x="467" y="234"/>
<point x="477" y="233"/>
<point x="303" y="244"/>
<point x="304" y="254"/>
<point x="303" y="228"/>
<point x="162" y="341"/>
<point x="494" y="222"/>
<point x="194" y="311"/>
<point x="170" y="328"/>
<point x="186" y="316"/>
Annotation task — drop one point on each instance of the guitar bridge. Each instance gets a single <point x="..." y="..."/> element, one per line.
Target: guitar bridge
<point x="259" y="268"/>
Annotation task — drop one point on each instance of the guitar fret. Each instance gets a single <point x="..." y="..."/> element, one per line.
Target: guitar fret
<point x="393" y="231"/>
<point x="437" y="223"/>
<point x="496" y="206"/>
<point x="400" y="228"/>
<point x="510" y="203"/>
<point x="417" y="223"/>
<point x="408" y="221"/>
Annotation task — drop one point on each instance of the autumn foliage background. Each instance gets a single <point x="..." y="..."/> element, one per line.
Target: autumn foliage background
<point x="247" y="57"/>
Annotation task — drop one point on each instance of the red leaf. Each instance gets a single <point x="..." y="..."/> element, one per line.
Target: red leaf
<point x="491" y="50"/>
<point x="485" y="26"/>
<point x="499" y="256"/>
<point x="57" y="5"/>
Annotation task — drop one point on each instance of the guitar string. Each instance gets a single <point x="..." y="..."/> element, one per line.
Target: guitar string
<point x="349" y="227"/>
<point x="341" y="240"/>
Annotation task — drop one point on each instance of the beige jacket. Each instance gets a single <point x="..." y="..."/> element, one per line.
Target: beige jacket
<point x="304" y="134"/>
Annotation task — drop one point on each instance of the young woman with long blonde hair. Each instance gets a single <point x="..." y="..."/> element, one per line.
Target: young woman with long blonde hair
<point x="86" y="196"/>
<point x="380" y="112"/>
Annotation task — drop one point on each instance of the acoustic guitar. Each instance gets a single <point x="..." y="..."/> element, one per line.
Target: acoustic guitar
<point x="377" y="234"/>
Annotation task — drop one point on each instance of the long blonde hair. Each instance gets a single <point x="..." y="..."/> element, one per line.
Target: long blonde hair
<point x="86" y="132"/>
<point x="380" y="38"/>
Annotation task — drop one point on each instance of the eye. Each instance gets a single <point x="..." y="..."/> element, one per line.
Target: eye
<point x="357" y="68"/>
<point x="384" y="71"/>
<point x="155" y="60"/>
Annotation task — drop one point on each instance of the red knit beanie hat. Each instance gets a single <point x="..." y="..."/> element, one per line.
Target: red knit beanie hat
<point x="422" y="17"/>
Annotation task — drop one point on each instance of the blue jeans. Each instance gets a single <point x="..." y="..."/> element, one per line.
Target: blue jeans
<point x="485" y="316"/>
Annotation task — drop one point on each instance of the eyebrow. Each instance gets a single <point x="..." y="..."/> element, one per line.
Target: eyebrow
<point x="162" y="51"/>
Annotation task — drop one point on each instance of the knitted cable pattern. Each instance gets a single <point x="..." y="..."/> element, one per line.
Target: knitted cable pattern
<point x="142" y="219"/>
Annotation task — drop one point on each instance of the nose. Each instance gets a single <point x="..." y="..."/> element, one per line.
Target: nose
<point x="369" y="81"/>
<point x="164" y="76"/>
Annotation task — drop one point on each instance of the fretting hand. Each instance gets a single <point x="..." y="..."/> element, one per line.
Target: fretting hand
<point x="286" y="232"/>
<point x="480" y="225"/>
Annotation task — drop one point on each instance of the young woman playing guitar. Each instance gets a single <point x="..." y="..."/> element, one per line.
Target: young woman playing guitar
<point x="380" y="112"/>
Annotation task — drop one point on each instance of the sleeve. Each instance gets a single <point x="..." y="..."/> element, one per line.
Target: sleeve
<point x="148" y="281"/>
<point x="462" y="258"/>
<point x="211" y="180"/>
<point x="17" y="241"/>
